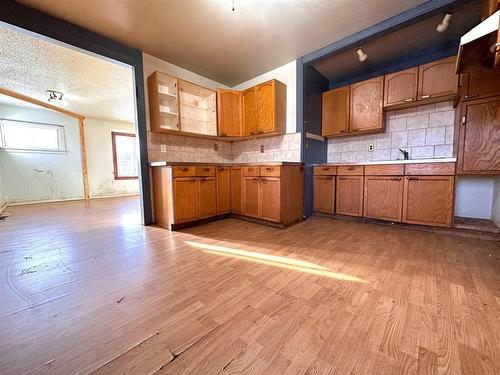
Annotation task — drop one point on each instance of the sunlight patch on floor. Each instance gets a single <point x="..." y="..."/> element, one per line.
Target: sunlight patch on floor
<point x="275" y="261"/>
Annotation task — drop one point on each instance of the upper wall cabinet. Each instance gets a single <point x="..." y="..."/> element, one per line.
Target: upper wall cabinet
<point x="264" y="109"/>
<point x="229" y="112"/>
<point x="366" y="111"/>
<point x="335" y="112"/>
<point x="401" y="87"/>
<point x="179" y="106"/>
<point x="437" y="79"/>
<point x="483" y="84"/>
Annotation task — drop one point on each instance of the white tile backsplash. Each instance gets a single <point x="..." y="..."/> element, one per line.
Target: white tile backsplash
<point x="425" y="131"/>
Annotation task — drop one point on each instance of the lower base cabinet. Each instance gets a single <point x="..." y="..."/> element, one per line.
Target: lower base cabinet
<point x="324" y="194"/>
<point x="428" y="200"/>
<point x="349" y="195"/>
<point x="187" y="194"/>
<point x="383" y="198"/>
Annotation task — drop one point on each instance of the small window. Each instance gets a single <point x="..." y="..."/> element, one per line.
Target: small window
<point x="31" y="136"/>
<point x="124" y="156"/>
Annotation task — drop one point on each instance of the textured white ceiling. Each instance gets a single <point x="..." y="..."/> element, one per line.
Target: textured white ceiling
<point x="91" y="86"/>
<point x="206" y="37"/>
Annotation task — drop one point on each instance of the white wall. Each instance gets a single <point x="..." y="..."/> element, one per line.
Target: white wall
<point x="41" y="176"/>
<point x="474" y="197"/>
<point x="100" y="159"/>
<point x="495" y="208"/>
<point x="288" y="75"/>
<point x="3" y="197"/>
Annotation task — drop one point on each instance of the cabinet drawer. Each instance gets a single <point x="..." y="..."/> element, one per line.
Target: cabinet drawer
<point x="430" y="169"/>
<point x="251" y="171"/>
<point x="184" y="171"/>
<point x="270" y="170"/>
<point x="325" y="171"/>
<point x="384" y="170"/>
<point x="205" y="170"/>
<point x="350" y="170"/>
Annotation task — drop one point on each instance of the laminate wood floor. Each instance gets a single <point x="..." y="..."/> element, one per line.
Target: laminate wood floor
<point x="85" y="289"/>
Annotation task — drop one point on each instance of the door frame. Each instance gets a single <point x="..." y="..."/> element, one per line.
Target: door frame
<point x="24" y="17"/>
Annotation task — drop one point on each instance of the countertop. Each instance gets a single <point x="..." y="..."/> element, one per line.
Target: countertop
<point x="173" y="163"/>
<point x="385" y="162"/>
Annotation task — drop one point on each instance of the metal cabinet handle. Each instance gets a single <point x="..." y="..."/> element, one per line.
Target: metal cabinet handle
<point x="408" y="100"/>
<point x="470" y="96"/>
<point x="425" y="96"/>
<point x="412" y="178"/>
<point x="184" y="169"/>
<point x="326" y="168"/>
<point x="269" y="169"/>
<point x="351" y="168"/>
<point x="260" y="132"/>
<point x="395" y="178"/>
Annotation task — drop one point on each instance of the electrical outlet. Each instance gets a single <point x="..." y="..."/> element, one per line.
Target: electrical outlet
<point x="370" y="147"/>
<point x="216" y="147"/>
<point x="163" y="148"/>
<point x="261" y="148"/>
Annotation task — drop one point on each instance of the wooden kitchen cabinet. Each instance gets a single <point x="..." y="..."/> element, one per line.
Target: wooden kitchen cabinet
<point x="223" y="176"/>
<point x="428" y="200"/>
<point x="271" y="107"/>
<point x="236" y="179"/>
<point x="229" y="113"/>
<point x="401" y="87"/>
<point x="250" y="197"/>
<point x="335" y="112"/>
<point x="366" y="106"/>
<point x="249" y="103"/>
<point x="207" y="198"/>
<point x="349" y="195"/>
<point x="479" y="137"/>
<point x="270" y="200"/>
<point x="383" y="197"/>
<point x="324" y="194"/>
<point x="482" y="84"/>
<point x="437" y="79"/>
<point x="185" y="199"/>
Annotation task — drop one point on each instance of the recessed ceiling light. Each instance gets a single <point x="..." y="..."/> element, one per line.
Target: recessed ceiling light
<point x="54" y="96"/>
<point x="362" y="55"/>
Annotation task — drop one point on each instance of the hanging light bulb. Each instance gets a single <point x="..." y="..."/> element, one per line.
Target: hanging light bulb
<point x="443" y="26"/>
<point x="362" y="55"/>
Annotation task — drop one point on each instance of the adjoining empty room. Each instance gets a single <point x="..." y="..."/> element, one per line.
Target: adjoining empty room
<point x="250" y="187"/>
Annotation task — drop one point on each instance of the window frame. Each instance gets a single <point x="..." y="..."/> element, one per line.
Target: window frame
<point x="115" y="160"/>
<point x="61" y="137"/>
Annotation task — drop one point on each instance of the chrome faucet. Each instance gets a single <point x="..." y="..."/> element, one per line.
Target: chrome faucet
<point x="405" y="154"/>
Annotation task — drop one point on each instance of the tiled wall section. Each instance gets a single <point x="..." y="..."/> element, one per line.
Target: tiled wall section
<point x="280" y="148"/>
<point x="425" y="131"/>
<point x="188" y="149"/>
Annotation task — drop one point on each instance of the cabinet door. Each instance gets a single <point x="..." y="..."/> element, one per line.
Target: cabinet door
<point x="250" y="205"/>
<point x="349" y="195"/>
<point x="428" y="200"/>
<point x="185" y="199"/>
<point x="367" y="113"/>
<point x="249" y="98"/>
<point x="236" y="177"/>
<point x="265" y="107"/>
<point x="481" y="84"/>
<point x="335" y="112"/>
<point x="229" y="112"/>
<point x="323" y="194"/>
<point x="270" y="199"/>
<point x="383" y="197"/>
<point x="479" y="137"/>
<point x="207" y="198"/>
<point x="223" y="175"/>
<point x="437" y="79"/>
<point x="401" y="87"/>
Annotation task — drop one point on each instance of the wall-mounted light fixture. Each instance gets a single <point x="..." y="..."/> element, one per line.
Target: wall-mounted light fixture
<point x="443" y="26"/>
<point x="54" y="96"/>
<point x="362" y="55"/>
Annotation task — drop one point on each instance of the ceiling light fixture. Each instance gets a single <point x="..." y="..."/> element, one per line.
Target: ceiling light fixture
<point x="362" y="55"/>
<point x="54" y="96"/>
<point x="443" y="26"/>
